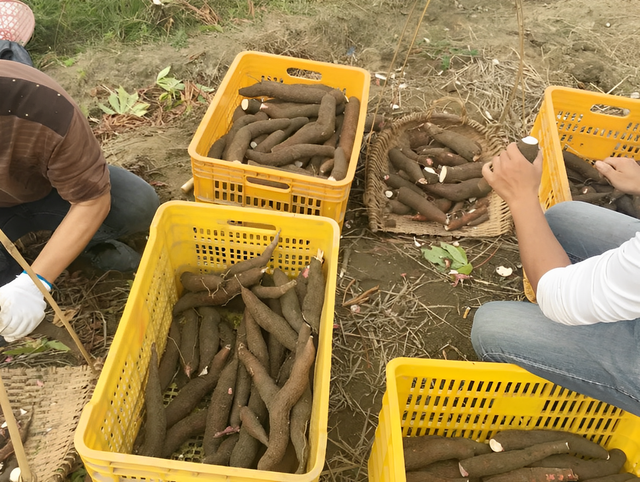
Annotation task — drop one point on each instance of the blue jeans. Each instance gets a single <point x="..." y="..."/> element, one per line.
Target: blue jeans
<point x="600" y="360"/>
<point x="133" y="205"/>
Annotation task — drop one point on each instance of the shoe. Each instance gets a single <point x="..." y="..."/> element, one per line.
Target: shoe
<point x="112" y="255"/>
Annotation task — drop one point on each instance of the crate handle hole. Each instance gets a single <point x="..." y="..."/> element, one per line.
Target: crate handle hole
<point x="268" y="183"/>
<point x="266" y="227"/>
<point x="304" y="73"/>
<point x="609" y="110"/>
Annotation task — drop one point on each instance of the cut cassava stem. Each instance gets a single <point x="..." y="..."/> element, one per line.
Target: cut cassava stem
<point x="227" y="334"/>
<point x="155" y="420"/>
<point x="290" y="154"/>
<point x="270" y="141"/>
<point x="169" y="362"/>
<point x="315" y="132"/>
<point x="189" y="350"/>
<point x="265" y="292"/>
<point x="586" y="469"/>
<point x="282" y="403"/>
<point x="402" y="163"/>
<point x="396" y="207"/>
<point x="466" y="218"/>
<point x="250" y="106"/>
<point x="425" y="451"/>
<point x="256" y="261"/>
<point x="252" y="423"/>
<point x="255" y="341"/>
<point x="534" y="474"/>
<point x="470" y="170"/>
<point x="314" y="299"/>
<point x="519" y="439"/>
<point x="198" y="387"/>
<point x="270" y="321"/>
<point x="349" y="127"/>
<point x="300" y="418"/>
<point x="238" y="146"/>
<point x="467" y="148"/>
<point x="228" y="290"/>
<point x="499" y="462"/>
<point x="302" y="93"/>
<point x="246" y="450"/>
<point x="460" y="191"/>
<point x="579" y="165"/>
<point x="396" y="182"/>
<point x="291" y="310"/>
<point x="200" y="282"/>
<point x="219" y="408"/>
<point x="223" y="454"/>
<point x="217" y="148"/>
<point x="209" y="336"/>
<point x="190" y="426"/>
<point x="425" y="207"/>
<point x="235" y="127"/>
<point x="289" y="110"/>
<point x="243" y="379"/>
<point x="340" y="165"/>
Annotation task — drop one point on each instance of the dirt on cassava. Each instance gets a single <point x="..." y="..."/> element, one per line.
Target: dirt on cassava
<point x="468" y="50"/>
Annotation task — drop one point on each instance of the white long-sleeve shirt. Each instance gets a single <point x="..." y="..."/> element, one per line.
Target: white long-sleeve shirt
<point x="604" y="288"/>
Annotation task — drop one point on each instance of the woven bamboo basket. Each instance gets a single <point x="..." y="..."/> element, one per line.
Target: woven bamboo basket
<point x="499" y="221"/>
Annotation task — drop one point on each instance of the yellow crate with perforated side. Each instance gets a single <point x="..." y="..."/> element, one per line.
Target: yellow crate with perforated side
<point x="202" y="238"/>
<point x="589" y="124"/>
<point x="592" y="126"/>
<point x="222" y="182"/>
<point x="477" y="399"/>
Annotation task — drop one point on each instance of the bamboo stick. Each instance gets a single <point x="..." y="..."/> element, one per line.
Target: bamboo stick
<point x="10" y="247"/>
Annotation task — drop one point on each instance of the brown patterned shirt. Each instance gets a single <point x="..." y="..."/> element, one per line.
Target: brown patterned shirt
<point x="45" y="141"/>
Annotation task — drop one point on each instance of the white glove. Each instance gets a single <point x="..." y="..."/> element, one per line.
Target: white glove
<point x="22" y="307"/>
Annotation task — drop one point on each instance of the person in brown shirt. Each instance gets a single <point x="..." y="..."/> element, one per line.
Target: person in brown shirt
<point x="54" y="177"/>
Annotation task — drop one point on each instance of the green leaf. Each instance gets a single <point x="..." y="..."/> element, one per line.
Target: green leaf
<point x="163" y="73"/>
<point x="465" y="269"/>
<point x="56" y="345"/>
<point x="106" y="109"/>
<point x="456" y="253"/>
<point x="435" y="255"/>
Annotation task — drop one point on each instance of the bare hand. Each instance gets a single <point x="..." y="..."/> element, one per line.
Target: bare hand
<point x="622" y="172"/>
<point x="513" y="177"/>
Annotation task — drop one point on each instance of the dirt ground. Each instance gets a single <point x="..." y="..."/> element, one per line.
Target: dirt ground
<point x="467" y="49"/>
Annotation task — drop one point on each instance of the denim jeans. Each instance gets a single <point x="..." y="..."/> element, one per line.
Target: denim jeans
<point x="600" y="360"/>
<point x="133" y="205"/>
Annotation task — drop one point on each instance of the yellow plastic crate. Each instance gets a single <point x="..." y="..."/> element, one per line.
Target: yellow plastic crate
<point x="207" y="238"/>
<point x="589" y="124"/>
<point x="221" y="182"/>
<point x="476" y="400"/>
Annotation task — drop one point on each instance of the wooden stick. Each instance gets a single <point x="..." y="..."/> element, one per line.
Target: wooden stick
<point x="187" y="186"/>
<point x="14" y="433"/>
<point x="10" y="247"/>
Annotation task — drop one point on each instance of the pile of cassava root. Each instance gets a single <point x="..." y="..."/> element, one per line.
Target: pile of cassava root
<point x="587" y="185"/>
<point x="513" y="456"/>
<point x="305" y="129"/>
<point x="435" y="175"/>
<point x="246" y="389"/>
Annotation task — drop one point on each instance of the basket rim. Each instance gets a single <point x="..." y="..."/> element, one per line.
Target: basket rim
<point x="374" y="192"/>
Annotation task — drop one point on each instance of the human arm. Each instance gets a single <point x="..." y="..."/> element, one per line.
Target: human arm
<point x="21" y="303"/>
<point x="622" y="172"/>
<point x="72" y="236"/>
<point x="517" y="181"/>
